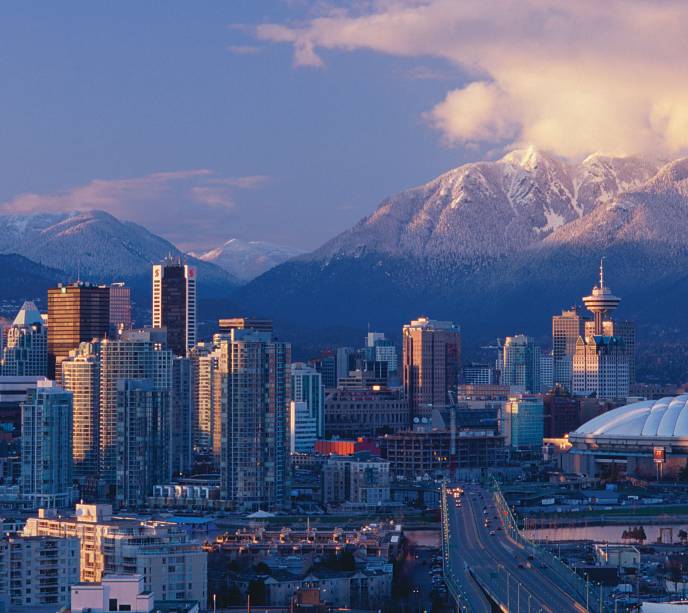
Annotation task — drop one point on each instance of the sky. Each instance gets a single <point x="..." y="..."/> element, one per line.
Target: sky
<point x="289" y="120"/>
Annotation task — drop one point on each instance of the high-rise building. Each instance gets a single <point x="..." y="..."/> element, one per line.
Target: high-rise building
<point x="546" y="373"/>
<point x="46" y="449"/>
<point x="303" y="429"/>
<point x="81" y="376"/>
<point x="142" y="440"/>
<point x="383" y="350"/>
<point x="604" y="361"/>
<point x="254" y="373"/>
<point x="206" y="411"/>
<point x="120" y="307"/>
<point x="561" y="412"/>
<point x="135" y="355"/>
<point x="522" y="423"/>
<point x="480" y="374"/>
<point x="566" y="328"/>
<point x="326" y="365"/>
<point x="431" y="364"/>
<point x="13" y="392"/>
<point x="625" y="330"/>
<point x="306" y="386"/>
<point x="174" y="303"/>
<point x="25" y="352"/>
<point x="181" y="416"/>
<point x="244" y="323"/>
<point x="600" y="368"/>
<point x="521" y="363"/>
<point x="77" y="313"/>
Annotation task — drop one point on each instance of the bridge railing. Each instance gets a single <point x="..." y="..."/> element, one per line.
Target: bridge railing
<point x="586" y="591"/>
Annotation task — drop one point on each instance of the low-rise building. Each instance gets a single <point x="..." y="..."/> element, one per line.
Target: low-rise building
<point x="37" y="571"/>
<point x="172" y="564"/>
<point x="359" y="479"/>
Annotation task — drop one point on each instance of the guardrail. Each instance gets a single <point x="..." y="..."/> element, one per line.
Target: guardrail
<point x="586" y="591"/>
<point x="449" y="572"/>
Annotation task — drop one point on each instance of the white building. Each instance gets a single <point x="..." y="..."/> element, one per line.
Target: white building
<point x="46" y="444"/>
<point x="37" y="571"/>
<point x="25" y="351"/>
<point x="173" y="566"/>
<point x="303" y="429"/>
<point x="205" y="413"/>
<point x="600" y="368"/>
<point x="113" y="593"/>
<point x="81" y="376"/>
<point x="307" y="387"/>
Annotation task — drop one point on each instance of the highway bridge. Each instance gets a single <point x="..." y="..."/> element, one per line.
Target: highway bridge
<point x="489" y="566"/>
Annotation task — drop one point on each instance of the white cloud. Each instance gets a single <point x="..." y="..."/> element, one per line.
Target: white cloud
<point x="572" y="77"/>
<point x="188" y="207"/>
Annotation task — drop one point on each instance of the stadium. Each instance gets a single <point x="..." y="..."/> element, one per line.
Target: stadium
<point x="647" y="439"/>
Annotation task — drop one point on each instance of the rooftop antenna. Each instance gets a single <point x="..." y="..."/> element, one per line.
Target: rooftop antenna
<point x="601" y="272"/>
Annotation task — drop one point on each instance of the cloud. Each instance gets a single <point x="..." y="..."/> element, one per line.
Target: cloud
<point x="191" y="208"/>
<point x="243" y="49"/>
<point x="571" y="77"/>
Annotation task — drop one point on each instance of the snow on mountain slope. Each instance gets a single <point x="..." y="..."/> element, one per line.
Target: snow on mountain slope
<point x="487" y="209"/>
<point x="92" y="244"/>
<point x="248" y="259"/>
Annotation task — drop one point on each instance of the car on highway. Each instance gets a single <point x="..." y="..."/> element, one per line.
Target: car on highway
<point x="492" y="533"/>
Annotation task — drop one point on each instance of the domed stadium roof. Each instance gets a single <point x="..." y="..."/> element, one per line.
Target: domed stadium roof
<point x="649" y="419"/>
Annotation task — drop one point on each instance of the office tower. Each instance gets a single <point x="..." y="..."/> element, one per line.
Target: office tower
<point x="326" y="365"/>
<point x="600" y="368"/>
<point x="383" y="350"/>
<point x="172" y="564"/>
<point x="566" y="328"/>
<point x="77" y="313"/>
<point x="343" y="361"/>
<point x="306" y="386"/>
<point x="625" y="330"/>
<point x="25" y="352"/>
<point x="546" y="373"/>
<point x="81" y="376"/>
<point x="13" y="392"/>
<point x="174" y="303"/>
<point x="303" y="429"/>
<point x="601" y="302"/>
<point x="480" y="374"/>
<point x="181" y="416"/>
<point x="431" y="364"/>
<point x="135" y="355"/>
<point x="36" y="571"/>
<point x="142" y="441"/>
<point x="206" y="411"/>
<point x="561" y="412"/>
<point x="521" y="365"/>
<point x="46" y="476"/>
<point x="522" y="423"/>
<point x="120" y="307"/>
<point x="360" y="406"/>
<point x="254" y="374"/>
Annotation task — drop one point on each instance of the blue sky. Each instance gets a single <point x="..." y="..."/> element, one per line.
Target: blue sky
<point x="114" y="92"/>
<point x="289" y="120"/>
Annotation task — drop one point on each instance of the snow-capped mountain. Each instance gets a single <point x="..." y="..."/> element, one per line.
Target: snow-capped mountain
<point x="246" y="260"/>
<point x="94" y="245"/>
<point x="498" y="247"/>
<point x="487" y="209"/>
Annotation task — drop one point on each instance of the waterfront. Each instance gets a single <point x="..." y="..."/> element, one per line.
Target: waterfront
<point x="603" y="534"/>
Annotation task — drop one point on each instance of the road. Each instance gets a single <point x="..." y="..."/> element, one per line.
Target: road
<point x="488" y="555"/>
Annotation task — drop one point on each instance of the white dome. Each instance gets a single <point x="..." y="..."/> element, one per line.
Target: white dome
<point x="649" y="419"/>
